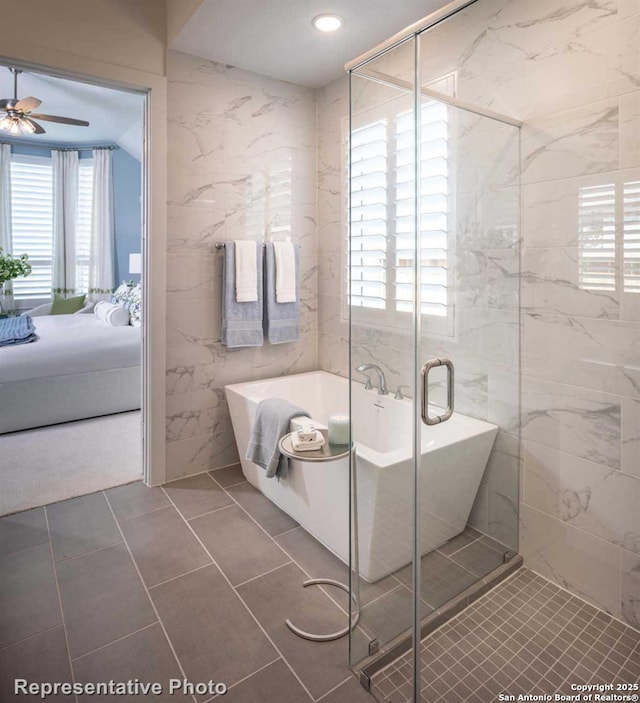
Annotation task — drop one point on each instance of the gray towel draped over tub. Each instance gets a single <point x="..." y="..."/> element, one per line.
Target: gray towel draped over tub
<point x="273" y="416"/>
<point x="281" y="320"/>
<point x="241" y="322"/>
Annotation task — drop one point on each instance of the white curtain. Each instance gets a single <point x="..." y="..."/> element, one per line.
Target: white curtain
<point x="5" y="215"/>
<point x="101" y="269"/>
<point x="65" y="199"/>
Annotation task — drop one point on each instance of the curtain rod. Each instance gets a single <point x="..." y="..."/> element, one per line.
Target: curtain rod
<point x="22" y="142"/>
<point x="84" y="148"/>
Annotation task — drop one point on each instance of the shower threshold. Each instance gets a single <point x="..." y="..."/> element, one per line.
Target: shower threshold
<point x="400" y="645"/>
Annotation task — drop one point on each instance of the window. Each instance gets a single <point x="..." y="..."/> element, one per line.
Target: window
<point x="631" y="237"/>
<point x="369" y="216"/>
<point x="32" y="223"/>
<point x="383" y="216"/>
<point x="597" y="237"/>
<point x="609" y="237"/>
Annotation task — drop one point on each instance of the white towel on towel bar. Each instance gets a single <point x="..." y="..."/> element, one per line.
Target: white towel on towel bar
<point x="246" y="272"/>
<point x="285" y="272"/>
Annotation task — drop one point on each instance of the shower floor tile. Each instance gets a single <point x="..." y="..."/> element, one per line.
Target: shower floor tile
<point x="530" y="637"/>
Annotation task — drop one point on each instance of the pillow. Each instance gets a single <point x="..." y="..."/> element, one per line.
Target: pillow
<point x="66" y="306"/>
<point x="120" y="294"/>
<point x="133" y="304"/>
<point x="110" y="314"/>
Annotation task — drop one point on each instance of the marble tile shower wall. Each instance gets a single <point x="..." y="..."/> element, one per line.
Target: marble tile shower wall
<point x="242" y="165"/>
<point x="571" y="71"/>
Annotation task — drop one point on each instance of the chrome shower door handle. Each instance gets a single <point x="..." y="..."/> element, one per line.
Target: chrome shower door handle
<point x="431" y="364"/>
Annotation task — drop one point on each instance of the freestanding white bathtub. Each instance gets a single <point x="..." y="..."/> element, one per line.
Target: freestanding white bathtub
<point x="453" y="460"/>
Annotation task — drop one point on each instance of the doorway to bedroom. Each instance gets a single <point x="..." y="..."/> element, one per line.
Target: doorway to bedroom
<point x="71" y="266"/>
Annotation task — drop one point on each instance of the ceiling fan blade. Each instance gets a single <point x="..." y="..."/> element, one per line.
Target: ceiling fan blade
<point x="4" y="103"/>
<point x="61" y="120"/>
<point x="38" y="128"/>
<point x="28" y="104"/>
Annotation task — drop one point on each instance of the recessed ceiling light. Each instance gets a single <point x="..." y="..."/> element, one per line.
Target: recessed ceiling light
<point x="327" y="22"/>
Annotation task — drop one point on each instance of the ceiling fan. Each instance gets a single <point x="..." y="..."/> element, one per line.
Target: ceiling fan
<point x="16" y="116"/>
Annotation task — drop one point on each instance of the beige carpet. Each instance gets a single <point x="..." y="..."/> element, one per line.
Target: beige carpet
<point x="53" y="463"/>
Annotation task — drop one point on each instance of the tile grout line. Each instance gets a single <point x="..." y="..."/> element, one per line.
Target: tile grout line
<point x="335" y="688"/>
<point x="304" y="571"/>
<point x="55" y="578"/>
<point x="20" y="551"/>
<point x="86" y="554"/>
<point x="286" y="532"/>
<point x="231" y="485"/>
<point x="173" y="578"/>
<point x="246" y="678"/>
<point x="266" y="573"/>
<point x="118" y="639"/>
<point x="238" y="596"/>
<point x="153" y="605"/>
<point x="135" y="515"/>
<point x="28" y="637"/>
<point x="209" y="512"/>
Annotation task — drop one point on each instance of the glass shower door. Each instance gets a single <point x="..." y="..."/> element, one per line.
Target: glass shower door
<point x="382" y="352"/>
<point x="434" y="344"/>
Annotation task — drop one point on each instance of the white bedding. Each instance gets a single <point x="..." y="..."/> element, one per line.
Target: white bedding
<point x="78" y="368"/>
<point x="70" y="344"/>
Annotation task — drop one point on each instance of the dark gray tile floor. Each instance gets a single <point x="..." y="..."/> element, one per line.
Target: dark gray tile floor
<point x="526" y="636"/>
<point x="194" y="579"/>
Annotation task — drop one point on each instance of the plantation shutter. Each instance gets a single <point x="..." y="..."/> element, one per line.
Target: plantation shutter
<point x="597" y="237"/>
<point x="32" y="223"/>
<point x="631" y="237"/>
<point x="434" y="208"/>
<point x="368" y="242"/>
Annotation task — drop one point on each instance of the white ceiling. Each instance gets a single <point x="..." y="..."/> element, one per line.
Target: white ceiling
<point x="113" y="115"/>
<point x="275" y="37"/>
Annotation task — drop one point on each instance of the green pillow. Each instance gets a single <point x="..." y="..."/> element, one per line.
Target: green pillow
<point x="67" y="306"/>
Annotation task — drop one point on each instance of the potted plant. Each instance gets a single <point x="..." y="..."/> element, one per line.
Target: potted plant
<point x="11" y="267"/>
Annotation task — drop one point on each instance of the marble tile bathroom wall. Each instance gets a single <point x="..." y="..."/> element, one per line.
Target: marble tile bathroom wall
<point x="242" y="165"/>
<point x="570" y="71"/>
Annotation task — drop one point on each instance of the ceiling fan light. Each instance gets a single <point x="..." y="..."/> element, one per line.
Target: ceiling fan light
<point x="5" y="124"/>
<point x="27" y="127"/>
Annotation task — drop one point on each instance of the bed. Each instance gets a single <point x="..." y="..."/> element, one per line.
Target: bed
<point x="79" y="367"/>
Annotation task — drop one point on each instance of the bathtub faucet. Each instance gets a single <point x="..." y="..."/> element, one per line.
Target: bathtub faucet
<point x="382" y="383"/>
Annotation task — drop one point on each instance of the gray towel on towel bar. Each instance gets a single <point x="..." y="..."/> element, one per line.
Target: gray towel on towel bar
<point x="273" y="416"/>
<point x="241" y="322"/>
<point x="281" y="320"/>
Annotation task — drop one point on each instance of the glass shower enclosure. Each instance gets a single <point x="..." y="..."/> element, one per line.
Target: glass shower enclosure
<point x="433" y="301"/>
